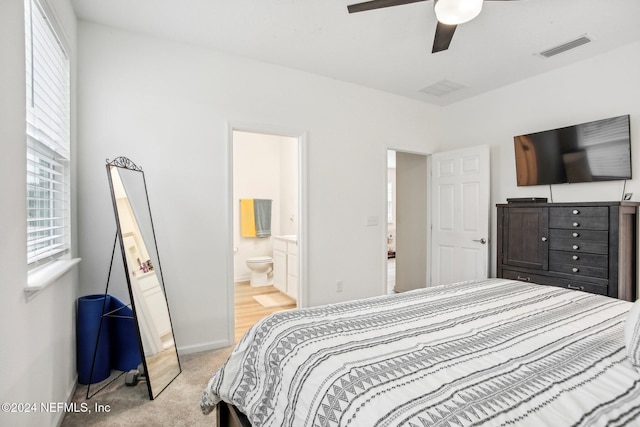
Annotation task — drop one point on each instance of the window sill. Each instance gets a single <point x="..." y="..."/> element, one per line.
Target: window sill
<point x="41" y="278"/>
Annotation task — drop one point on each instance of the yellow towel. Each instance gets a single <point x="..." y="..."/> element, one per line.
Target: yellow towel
<point x="247" y="218"/>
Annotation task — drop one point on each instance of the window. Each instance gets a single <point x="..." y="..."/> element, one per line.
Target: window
<point x="48" y="139"/>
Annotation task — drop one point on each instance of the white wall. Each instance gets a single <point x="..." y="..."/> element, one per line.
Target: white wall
<point x="37" y="355"/>
<point x="602" y="87"/>
<point x="168" y="106"/>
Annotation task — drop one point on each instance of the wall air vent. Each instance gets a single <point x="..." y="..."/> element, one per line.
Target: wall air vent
<point x="442" y="88"/>
<point x="584" y="39"/>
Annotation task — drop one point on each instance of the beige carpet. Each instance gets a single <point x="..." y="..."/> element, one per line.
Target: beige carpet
<point x="277" y="299"/>
<point x="177" y="405"/>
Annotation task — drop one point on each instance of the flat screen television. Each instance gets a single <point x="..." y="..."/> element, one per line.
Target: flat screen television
<point x="593" y="151"/>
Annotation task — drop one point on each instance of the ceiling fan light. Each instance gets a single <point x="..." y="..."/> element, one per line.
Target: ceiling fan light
<point x="454" y="12"/>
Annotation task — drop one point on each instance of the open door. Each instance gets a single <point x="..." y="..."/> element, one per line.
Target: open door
<point x="460" y="215"/>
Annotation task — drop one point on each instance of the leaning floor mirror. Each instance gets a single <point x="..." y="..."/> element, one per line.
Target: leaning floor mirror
<point x="144" y="274"/>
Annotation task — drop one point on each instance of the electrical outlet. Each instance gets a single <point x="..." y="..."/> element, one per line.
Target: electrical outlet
<point x="339" y="286"/>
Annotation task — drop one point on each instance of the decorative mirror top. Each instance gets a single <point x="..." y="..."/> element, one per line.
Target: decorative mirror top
<point x="124" y="162"/>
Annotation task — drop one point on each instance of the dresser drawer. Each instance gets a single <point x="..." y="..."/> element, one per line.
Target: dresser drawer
<point x="579" y="246"/>
<point x="579" y="222"/>
<point x="601" y="236"/>
<point x="576" y="284"/>
<point x="579" y="211"/>
<point x="578" y="271"/>
<point x="579" y="259"/>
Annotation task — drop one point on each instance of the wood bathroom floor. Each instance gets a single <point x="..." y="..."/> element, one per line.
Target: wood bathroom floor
<point x="247" y="310"/>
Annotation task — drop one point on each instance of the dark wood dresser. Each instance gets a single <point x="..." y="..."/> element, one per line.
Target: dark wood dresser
<point x="585" y="246"/>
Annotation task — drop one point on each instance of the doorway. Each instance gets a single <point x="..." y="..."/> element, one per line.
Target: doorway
<point x="267" y="261"/>
<point x="407" y="220"/>
<point x="439" y="221"/>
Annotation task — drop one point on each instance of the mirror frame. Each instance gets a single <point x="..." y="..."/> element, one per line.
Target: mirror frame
<point x="127" y="164"/>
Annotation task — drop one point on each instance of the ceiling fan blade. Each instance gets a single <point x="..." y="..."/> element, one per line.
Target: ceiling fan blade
<point x="378" y="4"/>
<point x="444" y="34"/>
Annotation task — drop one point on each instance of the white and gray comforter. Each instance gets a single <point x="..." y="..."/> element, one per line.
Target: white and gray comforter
<point x="494" y="352"/>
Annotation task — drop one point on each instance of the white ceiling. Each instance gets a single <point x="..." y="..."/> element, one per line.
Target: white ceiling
<point x="387" y="49"/>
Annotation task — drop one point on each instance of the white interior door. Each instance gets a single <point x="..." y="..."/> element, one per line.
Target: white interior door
<point x="460" y="215"/>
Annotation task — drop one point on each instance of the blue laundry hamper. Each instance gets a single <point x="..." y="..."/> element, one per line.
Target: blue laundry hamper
<point x="88" y="323"/>
<point x="125" y="350"/>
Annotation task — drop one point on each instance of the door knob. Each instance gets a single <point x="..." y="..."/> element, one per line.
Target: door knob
<point x="481" y="240"/>
<point x="544" y="239"/>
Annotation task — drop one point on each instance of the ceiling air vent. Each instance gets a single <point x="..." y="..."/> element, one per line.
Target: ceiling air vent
<point x="442" y="88"/>
<point x="584" y="39"/>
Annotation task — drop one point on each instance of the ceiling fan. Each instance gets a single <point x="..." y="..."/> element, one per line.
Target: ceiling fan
<point x="450" y="13"/>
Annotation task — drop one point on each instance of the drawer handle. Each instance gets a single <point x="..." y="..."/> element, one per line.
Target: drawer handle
<point x="576" y="224"/>
<point x="577" y="288"/>
<point x="575" y="257"/>
<point x="575" y="269"/>
<point x="544" y="239"/>
<point x="526" y="279"/>
<point x="576" y="212"/>
<point x="576" y="247"/>
<point x="576" y="234"/>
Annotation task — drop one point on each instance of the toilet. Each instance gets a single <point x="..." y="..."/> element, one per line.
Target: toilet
<point x="261" y="268"/>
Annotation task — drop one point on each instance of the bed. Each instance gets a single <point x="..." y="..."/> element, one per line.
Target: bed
<point x="494" y="353"/>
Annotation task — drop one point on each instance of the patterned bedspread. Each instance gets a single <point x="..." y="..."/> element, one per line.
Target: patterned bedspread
<point x="492" y="353"/>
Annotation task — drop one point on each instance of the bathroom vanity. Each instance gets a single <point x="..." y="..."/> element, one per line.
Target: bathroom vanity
<point x="285" y="264"/>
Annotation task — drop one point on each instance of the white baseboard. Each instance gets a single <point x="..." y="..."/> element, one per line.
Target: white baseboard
<point x="57" y="421"/>
<point x="244" y="278"/>
<point x="196" y="348"/>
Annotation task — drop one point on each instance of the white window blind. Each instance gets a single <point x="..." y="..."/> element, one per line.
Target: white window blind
<point x="48" y="138"/>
